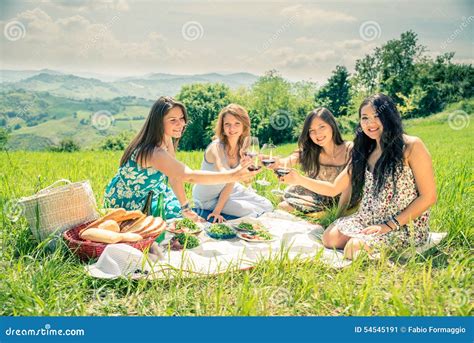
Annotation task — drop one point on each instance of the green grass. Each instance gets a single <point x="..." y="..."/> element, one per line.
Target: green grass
<point x="38" y="282"/>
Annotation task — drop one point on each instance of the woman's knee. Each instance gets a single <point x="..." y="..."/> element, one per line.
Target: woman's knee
<point x="353" y="248"/>
<point x="332" y="238"/>
<point x="285" y="206"/>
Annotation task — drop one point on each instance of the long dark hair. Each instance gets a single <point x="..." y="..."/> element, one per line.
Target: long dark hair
<point x="308" y="150"/>
<point x="152" y="133"/>
<point x="391" y="159"/>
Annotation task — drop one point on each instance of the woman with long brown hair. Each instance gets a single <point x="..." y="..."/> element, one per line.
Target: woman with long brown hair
<point x="149" y="162"/>
<point x="322" y="155"/>
<point x="392" y="173"/>
<point x="223" y="154"/>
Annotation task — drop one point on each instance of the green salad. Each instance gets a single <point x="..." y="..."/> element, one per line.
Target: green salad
<point x="220" y="229"/>
<point x="264" y="235"/>
<point x="187" y="241"/>
<point x="245" y="227"/>
<point x="186" y="223"/>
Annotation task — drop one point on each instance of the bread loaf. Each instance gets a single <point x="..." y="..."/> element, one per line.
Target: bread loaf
<point x="115" y="213"/>
<point x="100" y="235"/>
<point x="110" y="225"/>
<point x="141" y="225"/>
<point x="130" y="237"/>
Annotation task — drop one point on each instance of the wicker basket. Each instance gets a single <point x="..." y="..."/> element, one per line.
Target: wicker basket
<point x="87" y="250"/>
<point x="54" y="210"/>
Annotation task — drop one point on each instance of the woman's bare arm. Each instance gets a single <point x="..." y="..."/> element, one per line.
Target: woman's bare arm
<point x="331" y="189"/>
<point x="421" y="164"/>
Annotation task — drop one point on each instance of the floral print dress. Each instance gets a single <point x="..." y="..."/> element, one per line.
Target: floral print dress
<point x="130" y="186"/>
<point x="306" y="201"/>
<point x="378" y="207"/>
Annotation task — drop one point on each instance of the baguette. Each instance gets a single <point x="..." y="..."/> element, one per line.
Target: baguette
<point x="115" y="213"/>
<point x="130" y="237"/>
<point x="100" y="235"/>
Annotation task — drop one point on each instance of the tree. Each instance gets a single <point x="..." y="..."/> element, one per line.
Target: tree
<point x="335" y="95"/>
<point x="366" y="77"/>
<point x="66" y="145"/>
<point x="116" y="143"/>
<point x="271" y="110"/>
<point x="203" y="102"/>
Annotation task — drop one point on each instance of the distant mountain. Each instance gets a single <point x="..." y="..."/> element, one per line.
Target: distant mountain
<point x="39" y="119"/>
<point x="69" y="86"/>
<point x="148" y="86"/>
<point x="18" y="75"/>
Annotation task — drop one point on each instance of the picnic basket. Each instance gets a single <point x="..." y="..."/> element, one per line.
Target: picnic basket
<point x="55" y="209"/>
<point x="87" y="250"/>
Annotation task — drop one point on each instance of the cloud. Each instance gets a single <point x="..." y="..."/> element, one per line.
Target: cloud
<point x="352" y="44"/>
<point x="287" y="57"/>
<point x="312" y="15"/>
<point x="75" y="40"/>
<point x="88" y="5"/>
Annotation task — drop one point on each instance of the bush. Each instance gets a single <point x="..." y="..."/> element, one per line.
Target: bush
<point x="203" y="102"/>
<point x="116" y="143"/>
<point x="66" y="145"/>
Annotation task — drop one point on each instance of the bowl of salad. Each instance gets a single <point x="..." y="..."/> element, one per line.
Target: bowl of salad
<point x="220" y="231"/>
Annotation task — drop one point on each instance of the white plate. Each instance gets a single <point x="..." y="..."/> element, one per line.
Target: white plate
<point x="256" y="240"/>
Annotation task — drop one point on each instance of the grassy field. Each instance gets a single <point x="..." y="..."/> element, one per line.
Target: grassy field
<point x="37" y="282"/>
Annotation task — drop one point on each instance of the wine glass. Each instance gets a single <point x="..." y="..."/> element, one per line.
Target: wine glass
<point x="281" y="170"/>
<point x="268" y="158"/>
<point x="251" y="148"/>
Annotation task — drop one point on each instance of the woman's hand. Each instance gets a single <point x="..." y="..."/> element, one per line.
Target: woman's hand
<point x="376" y="229"/>
<point x="291" y="178"/>
<point x="217" y="217"/>
<point x="242" y="173"/>
<point x="190" y="214"/>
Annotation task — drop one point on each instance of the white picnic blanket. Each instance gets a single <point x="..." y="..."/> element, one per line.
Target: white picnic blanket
<point x="294" y="237"/>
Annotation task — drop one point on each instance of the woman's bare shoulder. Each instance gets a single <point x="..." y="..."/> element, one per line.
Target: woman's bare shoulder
<point x="412" y="145"/>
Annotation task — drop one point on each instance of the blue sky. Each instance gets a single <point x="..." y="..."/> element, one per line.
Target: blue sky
<point x="303" y="40"/>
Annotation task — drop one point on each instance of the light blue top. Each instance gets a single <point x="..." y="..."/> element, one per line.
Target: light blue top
<point x="202" y="193"/>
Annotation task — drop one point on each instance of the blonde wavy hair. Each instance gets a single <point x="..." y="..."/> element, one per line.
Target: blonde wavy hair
<point x="241" y="115"/>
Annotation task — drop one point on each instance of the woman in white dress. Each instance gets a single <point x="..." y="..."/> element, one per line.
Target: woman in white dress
<point x="231" y="199"/>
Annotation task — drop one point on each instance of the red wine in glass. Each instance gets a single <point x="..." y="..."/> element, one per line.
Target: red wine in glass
<point x="268" y="162"/>
<point x="282" y="171"/>
<point x="253" y="168"/>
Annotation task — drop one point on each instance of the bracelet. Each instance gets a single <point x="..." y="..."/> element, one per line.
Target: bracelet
<point x="395" y="221"/>
<point x="186" y="207"/>
<point x="386" y="223"/>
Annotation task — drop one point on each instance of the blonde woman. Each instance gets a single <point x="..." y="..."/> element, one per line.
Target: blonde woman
<point x="223" y="154"/>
